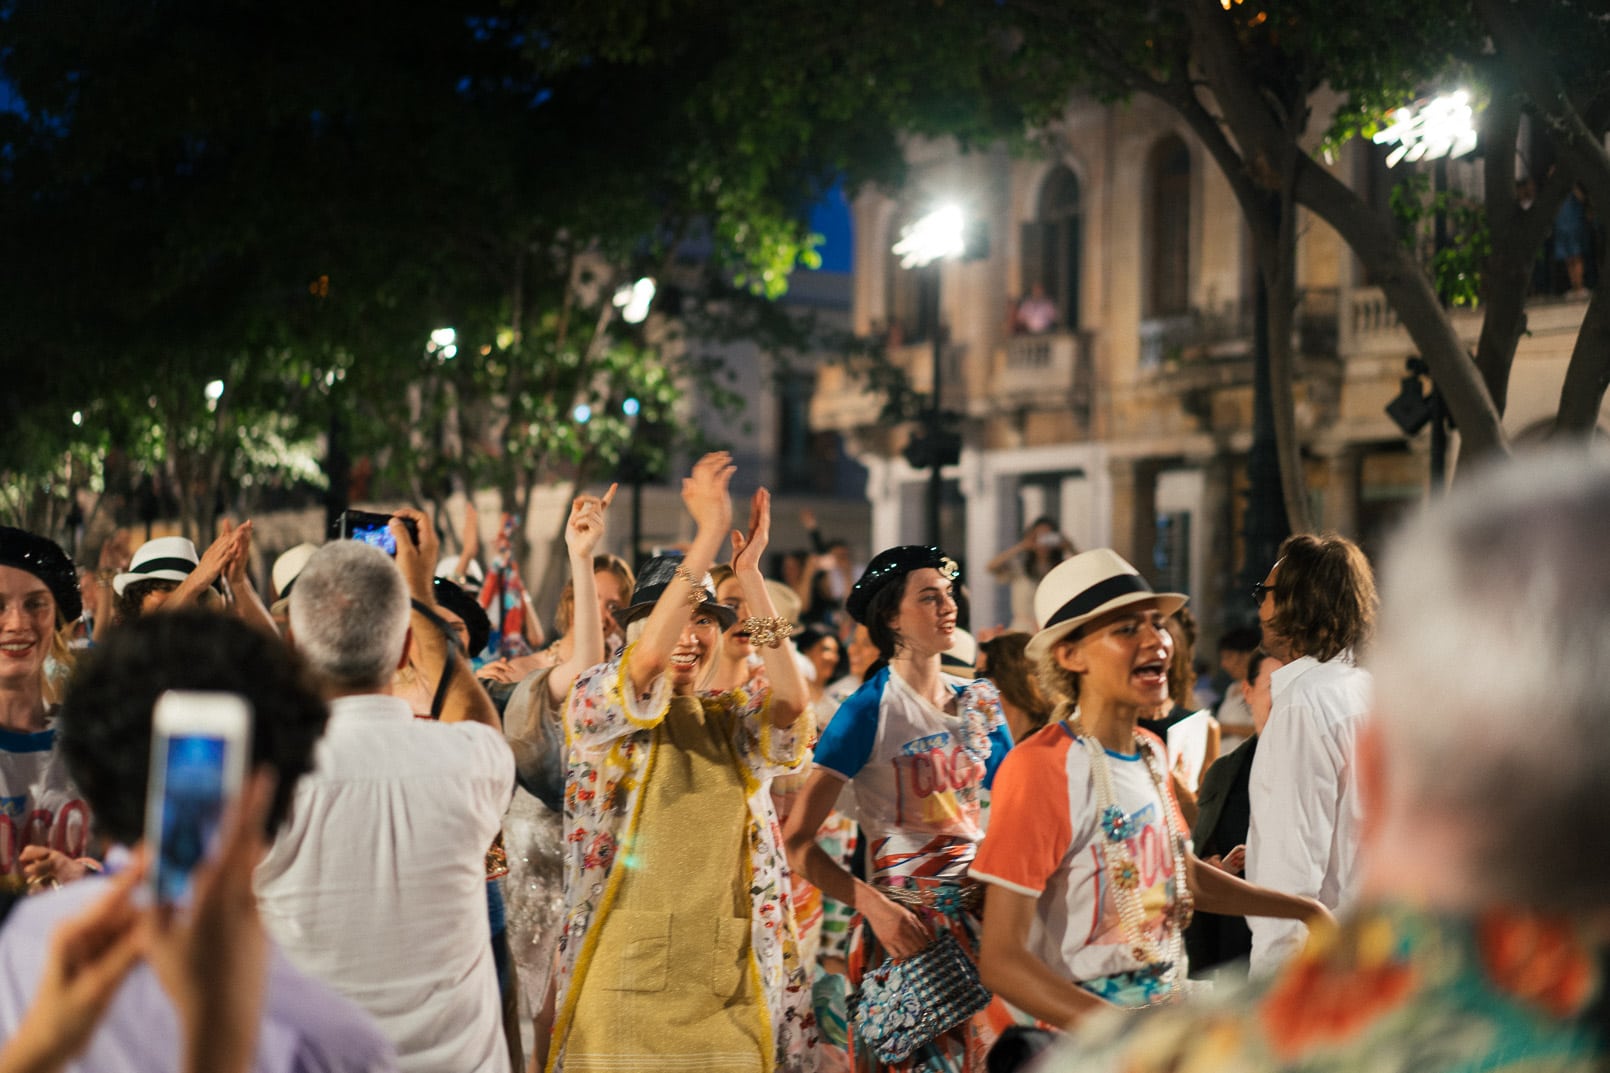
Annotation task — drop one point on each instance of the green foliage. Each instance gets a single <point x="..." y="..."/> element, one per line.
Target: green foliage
<point x="1456" y="262"/>
<point x="292" y="207"/>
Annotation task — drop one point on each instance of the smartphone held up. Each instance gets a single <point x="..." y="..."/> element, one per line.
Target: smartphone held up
<point x="200" y="744"/>
<point x="372" y="528"/>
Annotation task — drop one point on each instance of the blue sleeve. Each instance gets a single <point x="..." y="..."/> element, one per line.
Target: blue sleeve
<point x="1000" y="741"/>
<point x="846" y="743"/>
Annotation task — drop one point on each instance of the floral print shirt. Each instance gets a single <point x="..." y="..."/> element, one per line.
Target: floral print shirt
<point x="1393" y="990"/>
<point x="610" y="744"/>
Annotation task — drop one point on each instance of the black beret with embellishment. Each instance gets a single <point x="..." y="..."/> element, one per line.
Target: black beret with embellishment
<point x="892" y="564"/>
<point x="44" y="559"/>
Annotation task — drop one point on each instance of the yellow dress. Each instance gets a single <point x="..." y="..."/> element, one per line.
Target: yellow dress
<point x="673" y="983"/>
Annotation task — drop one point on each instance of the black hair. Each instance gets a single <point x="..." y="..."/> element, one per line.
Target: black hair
<point x="810" y="637"/>
<point x="126" y="607"/>
<point x="104" y="725"/>
<point x="1255" y="664"/>
<point x="883" y="606"/>
<point x="455" y="598"/>
<point x="1241" y="639"/>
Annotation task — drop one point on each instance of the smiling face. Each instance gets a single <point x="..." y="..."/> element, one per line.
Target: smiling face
<point x="27" y="623"/>
<point x="693" y="652"/>
<point x="1122" y="657"/>
<point x="925" y="619"/>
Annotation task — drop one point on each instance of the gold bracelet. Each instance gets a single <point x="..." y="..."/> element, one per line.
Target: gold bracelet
<point x="696" y="598"/>
<point x="770" y="632"/>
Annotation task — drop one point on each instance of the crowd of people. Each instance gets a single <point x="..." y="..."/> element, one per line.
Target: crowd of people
<point x="724" y="821"/>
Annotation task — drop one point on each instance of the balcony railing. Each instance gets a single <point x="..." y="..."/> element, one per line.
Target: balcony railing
<point x="1053" y="369"/>
<point x="842" y="401"/>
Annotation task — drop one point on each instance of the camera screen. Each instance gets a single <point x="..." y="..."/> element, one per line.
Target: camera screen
<point x="378" y="535"/>
<point x="192" y="805"/>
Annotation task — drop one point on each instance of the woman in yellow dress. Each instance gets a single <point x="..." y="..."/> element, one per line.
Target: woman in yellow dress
<point x="678" y="950"/>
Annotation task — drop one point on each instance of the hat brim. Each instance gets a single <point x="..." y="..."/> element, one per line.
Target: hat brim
<point x="1041" y="643"/>
<point x="723" y="614"/>
<point x="123" y="581"/>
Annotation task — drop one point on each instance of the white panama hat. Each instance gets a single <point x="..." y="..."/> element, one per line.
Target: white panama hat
<point x="289" y="565"/>
<point x="1087" y="586"/>
<point x="165" y="558"/>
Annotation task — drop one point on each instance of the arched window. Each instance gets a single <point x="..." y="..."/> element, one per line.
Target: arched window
<point x="912" y="294"/>
<point x="1169" y="175"/>
<point x="1053" y="243"/>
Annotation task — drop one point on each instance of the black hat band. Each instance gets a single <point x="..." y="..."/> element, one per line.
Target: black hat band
<point x="151" y="566"/>
<point x="1096" y="595"/>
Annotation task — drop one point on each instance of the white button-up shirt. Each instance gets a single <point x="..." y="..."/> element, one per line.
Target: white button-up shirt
<point x="1304" y="795"/>
<point x="376" y="884"/>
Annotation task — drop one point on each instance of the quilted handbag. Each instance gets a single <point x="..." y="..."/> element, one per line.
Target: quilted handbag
<point x="904" y="1004"/>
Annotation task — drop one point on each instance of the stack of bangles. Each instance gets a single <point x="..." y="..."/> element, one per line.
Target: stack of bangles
<point x="770" y="632"/>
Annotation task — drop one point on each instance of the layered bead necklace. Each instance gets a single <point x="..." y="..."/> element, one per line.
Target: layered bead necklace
<point x="1123" y="874"/>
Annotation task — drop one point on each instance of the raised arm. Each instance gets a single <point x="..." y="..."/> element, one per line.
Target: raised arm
<point x="1000" y="562"/>
<point x="471" y="539"/>
<point x="214" y="561"/>
<point x="788" y="692"/>
<point x="465" y="701"/>
<point x="583" y="533"/>
<point x="248" y="605"/>
<point x="708" y="501"/>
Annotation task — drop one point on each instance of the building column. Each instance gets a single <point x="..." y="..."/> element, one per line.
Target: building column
<point x="985" y="506"/>
<point x="1219" y="573"/>
<point x="1134" y="511"/>
<point x="1342" y="474"/>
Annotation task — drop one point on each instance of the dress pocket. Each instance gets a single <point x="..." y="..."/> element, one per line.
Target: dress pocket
<point x="729" y="961"/>
<point x="639" y="943"/>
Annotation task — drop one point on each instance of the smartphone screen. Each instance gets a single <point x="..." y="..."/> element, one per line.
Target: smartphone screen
<point x="372" y="528"/>
<point x="198" y="759"/>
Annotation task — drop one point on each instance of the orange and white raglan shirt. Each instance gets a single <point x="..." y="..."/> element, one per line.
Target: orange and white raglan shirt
<point x="1044" y="842"/>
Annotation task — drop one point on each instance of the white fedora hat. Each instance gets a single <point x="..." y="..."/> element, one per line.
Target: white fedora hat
<point x="1084" y="587"/>
<point x="289" y="565"/>
<point x="165" y="558"/>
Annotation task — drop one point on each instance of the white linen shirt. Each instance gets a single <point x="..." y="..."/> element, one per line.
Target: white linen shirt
<point x="376" y="884"/>
<point x="1304" y="797"/>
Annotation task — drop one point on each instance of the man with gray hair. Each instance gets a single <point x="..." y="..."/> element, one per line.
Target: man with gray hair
<point x="1482" y="930"/>
<point x="376" y="884"/>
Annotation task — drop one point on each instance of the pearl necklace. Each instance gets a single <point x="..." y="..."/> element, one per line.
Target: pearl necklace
<point x="1123" y="874"/>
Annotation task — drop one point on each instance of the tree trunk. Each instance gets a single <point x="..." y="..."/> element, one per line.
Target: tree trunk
<point x="1588" y="374"/>
<point x="1280" y="276"/>
<point x="1409" y="290"/>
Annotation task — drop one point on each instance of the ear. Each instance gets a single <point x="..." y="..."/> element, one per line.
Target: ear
<point x="1070" y="656"/>
<point x="408" y="646"/>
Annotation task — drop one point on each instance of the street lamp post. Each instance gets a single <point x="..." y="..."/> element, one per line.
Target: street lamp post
<point x="935" y="237"/>
<point x="634" y="300"/>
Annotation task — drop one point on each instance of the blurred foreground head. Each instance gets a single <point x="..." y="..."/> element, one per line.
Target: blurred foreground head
<point x="105" y="723"/>
<point x="1492" y="676"/>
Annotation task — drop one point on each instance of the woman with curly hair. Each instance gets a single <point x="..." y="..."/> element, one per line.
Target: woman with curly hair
<point x="1088" y="860"/>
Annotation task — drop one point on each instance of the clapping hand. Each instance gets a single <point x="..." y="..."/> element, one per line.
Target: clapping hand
<point x="705" y="493"/>
<point x="747" y="550"/>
